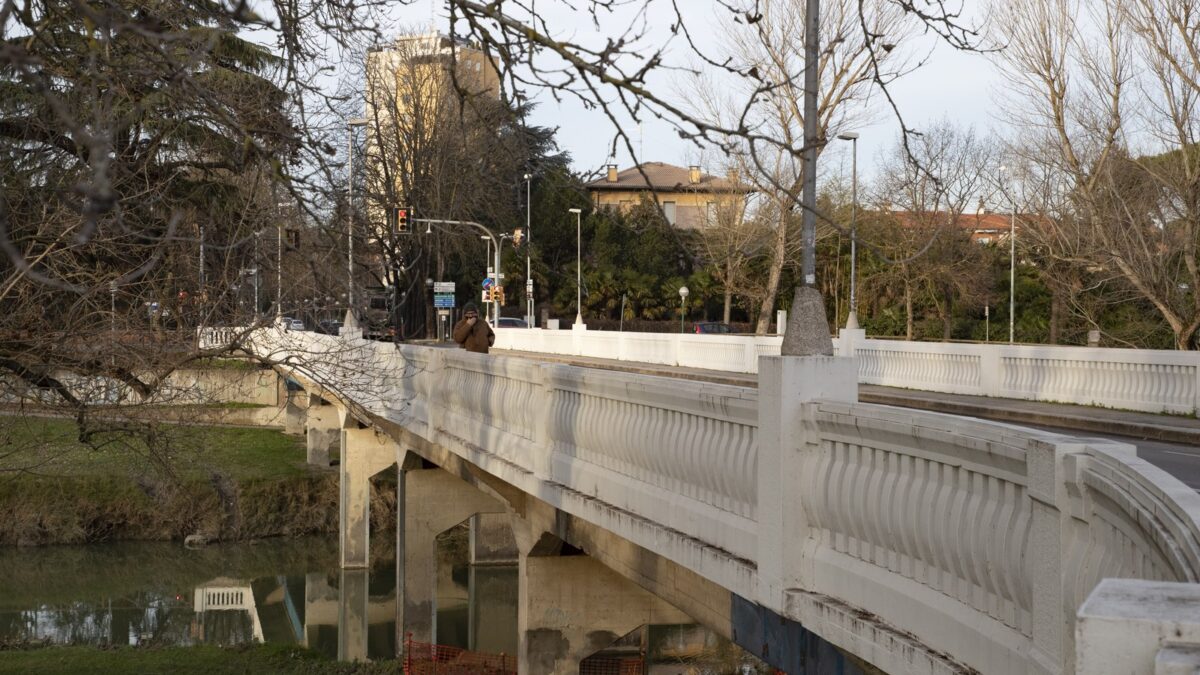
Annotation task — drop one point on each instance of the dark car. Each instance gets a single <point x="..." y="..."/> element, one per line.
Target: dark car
<point x="711" y="328"/>
<point x="511" y="322"/>
<point x="329" y="327"/>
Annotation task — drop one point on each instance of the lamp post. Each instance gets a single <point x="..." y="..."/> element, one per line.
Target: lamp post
<point x="350" y="124"/>
<point x="683" y="293"/>
<point x="529" y="309"/>
<point x="578" y="267"/>
<point x="1012" y="264"/>
<point x="852" y="319"/>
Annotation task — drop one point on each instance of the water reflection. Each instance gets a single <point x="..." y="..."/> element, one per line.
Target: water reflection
<point x="150" y="593"/>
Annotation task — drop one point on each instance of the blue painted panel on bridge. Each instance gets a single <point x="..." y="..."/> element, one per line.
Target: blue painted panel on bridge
<point x="785" y="644"/>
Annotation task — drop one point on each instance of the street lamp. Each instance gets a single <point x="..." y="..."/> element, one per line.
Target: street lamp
<point x="683" y="293"/>
<point x="852" y="319"/>
<point x="578" y="267"/>
<point x="528" y="243"/>
<point x="350" y="124"/>
<point x="1012" y="263"/>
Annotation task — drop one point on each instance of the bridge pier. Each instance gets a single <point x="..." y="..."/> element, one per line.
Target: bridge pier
<point x="572" y="606"/>
<point x="295" y="413"/>
<point x="434" y="501"/>
<point x="353" y="618"/>
<point x="323" y="431"/>
<point x="365" y="452"/>
<point x="492" y="540"/>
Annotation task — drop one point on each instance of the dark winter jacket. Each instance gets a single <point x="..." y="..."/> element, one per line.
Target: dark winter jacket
<point x="475" y="338"/>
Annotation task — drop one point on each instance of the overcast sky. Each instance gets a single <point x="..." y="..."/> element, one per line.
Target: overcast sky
<point x="957" y="85"/>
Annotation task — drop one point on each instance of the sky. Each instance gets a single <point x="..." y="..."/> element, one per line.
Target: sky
<point x="960" y="86"/>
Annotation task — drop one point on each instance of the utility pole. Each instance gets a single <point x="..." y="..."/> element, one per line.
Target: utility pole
<point x="529" y="309"/>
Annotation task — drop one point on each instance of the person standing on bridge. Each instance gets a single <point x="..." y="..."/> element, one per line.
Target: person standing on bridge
<point x="474" y="335"/>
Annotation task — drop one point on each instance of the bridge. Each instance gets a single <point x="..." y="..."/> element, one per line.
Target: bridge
<point x="913" y="541"/>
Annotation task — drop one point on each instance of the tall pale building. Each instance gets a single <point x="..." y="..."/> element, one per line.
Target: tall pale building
<point x="414" y="86"/>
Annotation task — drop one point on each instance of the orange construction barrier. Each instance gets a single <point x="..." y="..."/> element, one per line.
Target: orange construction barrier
<point x="423" y="658"/>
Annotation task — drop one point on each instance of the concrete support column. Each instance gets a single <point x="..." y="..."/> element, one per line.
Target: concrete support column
<point x="352" y="615"/>
<point x="492" y="540"/>
<point x="434" y="501"/>
<point x="570" y="607"/>
<point x="364" y="454"/>
<point x="324" y="433"/>
<point x="295" y="413"/>
<point x="1137" y="627"/>
<point x="787" y="442"/>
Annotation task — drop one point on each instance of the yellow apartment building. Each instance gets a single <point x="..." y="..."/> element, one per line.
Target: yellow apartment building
<point x="689" y="198"/>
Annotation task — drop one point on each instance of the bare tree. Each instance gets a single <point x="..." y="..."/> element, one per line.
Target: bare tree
<point x="1108" y="97"/>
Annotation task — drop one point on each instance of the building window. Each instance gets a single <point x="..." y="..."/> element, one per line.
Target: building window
<point x="669" y="211"/>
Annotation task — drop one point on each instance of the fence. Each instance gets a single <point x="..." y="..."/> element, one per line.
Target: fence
<point x="1131" y="379"/>
<point x="423" y="658"/>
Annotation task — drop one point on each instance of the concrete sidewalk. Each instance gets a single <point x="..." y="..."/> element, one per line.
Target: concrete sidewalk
<point x="1137" y="425"/>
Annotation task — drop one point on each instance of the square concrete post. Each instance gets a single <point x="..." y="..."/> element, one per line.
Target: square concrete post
<point x="295" y="413"/>
<point x="324" y="433"/>
<point x="353" y="619"/>
<point x="787" y="436"/>
<point x="570" y="607"/>
<point x="364" y="454"/>
<point x="434" y="501"/>
<point x="1137" y="627"/>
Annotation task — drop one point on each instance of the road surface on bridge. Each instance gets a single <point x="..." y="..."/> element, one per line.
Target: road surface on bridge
<point x="1170" y="442"/>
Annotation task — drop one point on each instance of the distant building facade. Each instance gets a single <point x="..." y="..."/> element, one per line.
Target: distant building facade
<point x="689" y="198"/>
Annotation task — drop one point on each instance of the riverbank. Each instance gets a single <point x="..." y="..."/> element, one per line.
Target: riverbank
<point x="164" y="482"/>
<point x="260" y="658"/>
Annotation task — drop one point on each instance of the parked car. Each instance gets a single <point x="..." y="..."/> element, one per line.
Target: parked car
<point x="511" y="322"/>
<point x="711" y="328"/>
<point x="329" y="327"/>
<point x="296" y="324"/>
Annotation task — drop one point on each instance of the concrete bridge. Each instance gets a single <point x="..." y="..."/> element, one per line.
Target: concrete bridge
<point x="916" y="542"/>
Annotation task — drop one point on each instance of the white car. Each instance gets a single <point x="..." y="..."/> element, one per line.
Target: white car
<point x="295" y="324"/>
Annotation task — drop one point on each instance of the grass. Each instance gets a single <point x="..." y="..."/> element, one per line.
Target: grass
<point x="265" y="658"/>
<point x="50" y="447"/>
<point x="160" y="482"/>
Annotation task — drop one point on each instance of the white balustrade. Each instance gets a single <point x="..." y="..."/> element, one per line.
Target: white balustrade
<point x="976" y="539"/>
<point x="1129" y="379"/>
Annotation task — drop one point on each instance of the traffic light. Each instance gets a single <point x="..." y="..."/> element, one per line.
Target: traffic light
<point x="498" y="294"/>
<point x="398" y="220"/>
<point x="518" y="236"/>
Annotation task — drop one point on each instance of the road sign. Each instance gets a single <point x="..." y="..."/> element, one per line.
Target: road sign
<point x="443" y="287"/>
<point x="487" y="283"/>
<point x="443" y="300"/>
<point x="443" y="312"/>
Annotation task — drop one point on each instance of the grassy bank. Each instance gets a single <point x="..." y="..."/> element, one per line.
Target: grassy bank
<point x="266" y="658"/>
<point x="161" y="482"/>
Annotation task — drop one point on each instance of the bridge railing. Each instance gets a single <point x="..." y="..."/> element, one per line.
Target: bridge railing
<point x="1008" y="530"/>
<point x="980" y="540"/>
<point x="1131" y="379"/>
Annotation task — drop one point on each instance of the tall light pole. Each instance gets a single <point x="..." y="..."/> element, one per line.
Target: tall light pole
<point x="528" y="243"/>
<point x="812" y="48"/>
<point x="350" y="124"/>
<point x="1012" y="263"/>
<point x="201" y="275"/>
<point x="492" y="238"/>
<point x="257" y="307"/>
<point x="852" y="319"/>
<point x="578" y="267"/>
